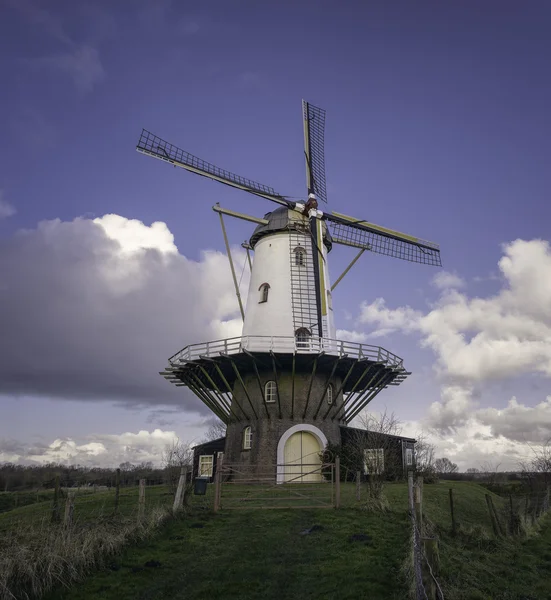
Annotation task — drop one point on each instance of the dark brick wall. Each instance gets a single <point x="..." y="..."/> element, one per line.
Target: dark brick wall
<point x="274" y="419"/>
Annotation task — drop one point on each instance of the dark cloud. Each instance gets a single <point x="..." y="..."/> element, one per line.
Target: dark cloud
<point x="84" y="316"/>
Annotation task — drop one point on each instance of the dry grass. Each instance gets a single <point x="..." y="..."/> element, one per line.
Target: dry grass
<point x="35" y="558"/>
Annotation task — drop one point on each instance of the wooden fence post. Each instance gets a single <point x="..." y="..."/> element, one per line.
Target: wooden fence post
<point x="141" y="500"/>
<point x="337" y="481"/>
<point x="410" y="491"/>
<point x="56" y="510"/>
<point x="179" y="498"/>
<point x="419" y="505"/>
<point x="431" y="566"/>
<point x="69" y="508"/>
<point x="454" y="526"/>
<point x="358" y="485"/>
<point x="492" y="515"/>
<point x="117" y="489"/>
<point x="217" y="490"/>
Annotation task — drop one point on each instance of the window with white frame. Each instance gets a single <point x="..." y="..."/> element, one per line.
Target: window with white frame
<point x="206" y="462"/>
<point x="300" y="256"/>
<point x="270" y="391"/>
<point x="302" y="336"/>
<point x="409" y="457"/>
<point x="329" y="394"/>
<point x="329" y="300"/>
<point x="264" y="290"/>
<point x="374" y="461"/>
<point x="247" y="438"/>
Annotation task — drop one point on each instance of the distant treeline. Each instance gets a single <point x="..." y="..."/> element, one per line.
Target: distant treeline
<point x="15" y="478"/>
<point x="504" y="483"/>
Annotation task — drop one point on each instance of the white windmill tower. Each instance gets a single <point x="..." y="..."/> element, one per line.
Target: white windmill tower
<point x="286" y="386"/>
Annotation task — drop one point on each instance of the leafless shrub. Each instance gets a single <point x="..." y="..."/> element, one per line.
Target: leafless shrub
<point x="176" y="455"/>
<point x="216" y="430"/>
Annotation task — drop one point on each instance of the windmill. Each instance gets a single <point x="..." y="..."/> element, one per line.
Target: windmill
<point x="286" y="386"/>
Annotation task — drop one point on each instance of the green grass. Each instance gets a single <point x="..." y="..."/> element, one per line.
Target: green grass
<point x="87" y="506"/>
<point x="262" y="554"/>
<point x="474" y="564"/>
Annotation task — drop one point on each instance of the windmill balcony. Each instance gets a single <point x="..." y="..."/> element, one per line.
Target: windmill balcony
<point x="286" y="345"/>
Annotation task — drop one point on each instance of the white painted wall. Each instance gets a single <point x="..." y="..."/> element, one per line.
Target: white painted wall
<point x="271" y="264"/>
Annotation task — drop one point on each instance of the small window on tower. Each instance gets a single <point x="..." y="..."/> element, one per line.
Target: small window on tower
<point x="264" y="289"/>
<point x="270" y="391"/>
<point x="300" y="256"/>
<point x="247" y="438"/>
<point x="330" y="394"/>
<point x="329" y="300"/>
<point x="303" y="336"/>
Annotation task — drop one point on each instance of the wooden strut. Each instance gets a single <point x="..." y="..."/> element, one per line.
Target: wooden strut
<point x="236" y="371"/>
<point x="260" y="386"/>
<point x="369" y="367"/>
<point x="231" y="265"/>
<point x="314" y="367"/>
<point x="365" y="397"/>
<point x="367" y="393"/>
<point x="197" y="388"/>
<point x="327" y="383"/>
<point x="352" y="263"/>
<point x="277" y="382"/>
<point x="228" y="386"/>
<point x="366" y="400"/>
<point x="212" y="402"/>
<point x="340" y="389"/>
<point x="223" y="402"/>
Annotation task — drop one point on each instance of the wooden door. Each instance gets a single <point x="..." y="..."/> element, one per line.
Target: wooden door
<point x="302" y="458"/>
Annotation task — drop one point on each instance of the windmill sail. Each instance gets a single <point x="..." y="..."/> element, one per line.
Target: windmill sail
<point x="153" y="145"/>
<point x="361" y="234"/>
<point x="314" y="149"/>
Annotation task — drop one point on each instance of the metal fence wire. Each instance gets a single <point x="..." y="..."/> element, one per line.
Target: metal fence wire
<point x="424" y="572"/>
<point x="277" y="486"/>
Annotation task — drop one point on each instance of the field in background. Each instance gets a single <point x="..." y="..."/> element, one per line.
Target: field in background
<point x="317" y="553"/>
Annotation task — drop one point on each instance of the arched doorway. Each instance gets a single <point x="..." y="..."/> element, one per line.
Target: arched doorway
<point x="301" y="453"/>
<point x="302" y="458"/>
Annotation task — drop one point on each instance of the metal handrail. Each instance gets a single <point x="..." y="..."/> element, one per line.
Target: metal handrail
<point x="285" y="344"/>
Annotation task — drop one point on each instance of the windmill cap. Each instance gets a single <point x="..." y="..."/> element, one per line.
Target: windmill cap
<point x="312" y="196"/>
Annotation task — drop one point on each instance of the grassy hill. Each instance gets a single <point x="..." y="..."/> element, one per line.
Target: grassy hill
<point x="308" y="553"/>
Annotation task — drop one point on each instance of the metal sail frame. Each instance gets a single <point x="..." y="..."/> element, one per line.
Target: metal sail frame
<point x="345" y="230"/>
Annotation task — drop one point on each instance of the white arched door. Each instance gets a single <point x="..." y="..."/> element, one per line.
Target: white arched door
<point x="302" y="458"/>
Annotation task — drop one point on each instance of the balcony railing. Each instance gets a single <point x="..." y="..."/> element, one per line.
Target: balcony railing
<point x="286" y="345"/>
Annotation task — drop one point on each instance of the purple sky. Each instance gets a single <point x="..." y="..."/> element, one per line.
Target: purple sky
<point x="437" y="125"/>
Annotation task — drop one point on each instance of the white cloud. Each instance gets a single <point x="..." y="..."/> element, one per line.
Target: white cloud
<point x="445" y="280"/>
<point x="358" y="337"/>
<point x="93" y="309"/>
<point x="6" y="209"/>
<point x="477" y="340"/>
<point x="388" y="320"/>
<point x="97" y="449"/>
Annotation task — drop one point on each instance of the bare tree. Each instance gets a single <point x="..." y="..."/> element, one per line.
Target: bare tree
<point x="375" y="453"/>
<point x="537" y="470"/>
<point x="176" y="455"/>
<point x="445" y="465"/>
<point x="424" y="459"/>
<point x="473" y="470"/>
<point x="216" y="430"/>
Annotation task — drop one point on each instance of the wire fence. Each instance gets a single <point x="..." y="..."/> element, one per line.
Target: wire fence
<point x="293" y="485"/>
<point x="485" y="517"/>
